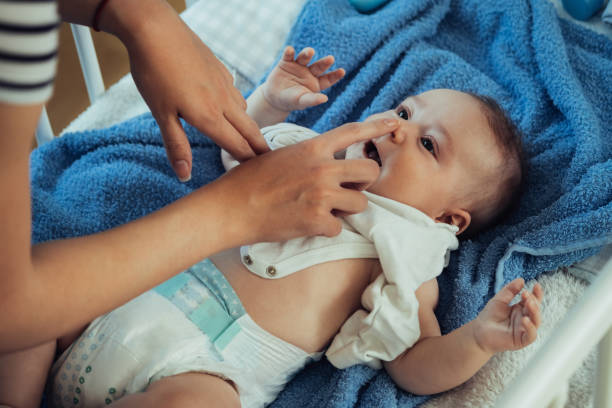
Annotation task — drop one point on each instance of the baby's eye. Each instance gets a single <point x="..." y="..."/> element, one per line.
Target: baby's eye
<point x="404" y="114"/>
<point x="429" y="145"/>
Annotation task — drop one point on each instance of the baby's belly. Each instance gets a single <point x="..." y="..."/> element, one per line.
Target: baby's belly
<point x="307" y="308"/>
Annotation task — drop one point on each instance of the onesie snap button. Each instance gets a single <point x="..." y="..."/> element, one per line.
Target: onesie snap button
<point x="271" y="271"/>
<point x="247" y="260"/>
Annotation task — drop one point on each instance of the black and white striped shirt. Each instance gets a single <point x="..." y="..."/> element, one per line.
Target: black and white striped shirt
<point x="28" y="50"/>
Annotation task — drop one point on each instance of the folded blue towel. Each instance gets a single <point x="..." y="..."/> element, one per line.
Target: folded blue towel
<point x="553" y="77"/>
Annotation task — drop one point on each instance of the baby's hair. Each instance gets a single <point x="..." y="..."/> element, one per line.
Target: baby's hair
<point x="510" y="173"/>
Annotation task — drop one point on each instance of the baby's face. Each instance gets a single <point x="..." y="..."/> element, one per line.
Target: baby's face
<point x="443" y="146"/>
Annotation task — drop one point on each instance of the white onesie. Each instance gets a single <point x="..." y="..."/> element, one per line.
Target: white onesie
<point x="410" y="246"/>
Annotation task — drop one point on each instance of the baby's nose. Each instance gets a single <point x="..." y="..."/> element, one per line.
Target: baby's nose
<point x="404" y="131"/>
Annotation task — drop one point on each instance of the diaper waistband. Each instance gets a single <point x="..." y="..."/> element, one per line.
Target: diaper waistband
<point x="207" y="299"/>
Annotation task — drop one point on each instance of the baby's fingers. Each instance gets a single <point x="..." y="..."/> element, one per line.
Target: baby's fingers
<point x="320" y="66"/>
<point x="305" y="56"/>
<point x="508" y="292"/>
<point x="289" y="54"/>
<point x="529" y="331"/>
<point x="538" y="292"/>
<point x="331" y="78"/>
<point x="311" y="99"/>
<point x="531" y="308"/>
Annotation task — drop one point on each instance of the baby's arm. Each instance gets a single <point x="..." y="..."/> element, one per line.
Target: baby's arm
<point x="292" y="85"/>
<point x="438" y="363"/>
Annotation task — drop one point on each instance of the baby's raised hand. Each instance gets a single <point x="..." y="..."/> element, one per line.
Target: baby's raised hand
<point x="501" y="327"/>
<point x="293" y="84"/>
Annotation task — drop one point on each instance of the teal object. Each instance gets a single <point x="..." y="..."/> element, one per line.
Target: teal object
<point x="365" y="6"/>
<point x="582" y="9"/>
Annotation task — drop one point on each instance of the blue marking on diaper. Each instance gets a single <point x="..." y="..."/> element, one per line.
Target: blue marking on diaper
<point x="172" y="285"/>
<point x="211" y="318"/>
<point x="227" y="335"/>
<point x="207" y="299"/>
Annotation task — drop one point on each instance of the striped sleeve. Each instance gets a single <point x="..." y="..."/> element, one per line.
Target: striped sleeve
<point x="28" y="50"/>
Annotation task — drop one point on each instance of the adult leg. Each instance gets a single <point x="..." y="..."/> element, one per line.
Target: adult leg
<point x="23" y="375"/>
<point x="189" y="390"/>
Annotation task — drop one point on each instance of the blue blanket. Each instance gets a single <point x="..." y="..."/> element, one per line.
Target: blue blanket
<point x="553" y="77"/>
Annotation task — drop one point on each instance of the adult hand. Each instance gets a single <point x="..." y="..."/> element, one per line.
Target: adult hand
<point x="179" y="77"/>
<point x="296" y="190"/>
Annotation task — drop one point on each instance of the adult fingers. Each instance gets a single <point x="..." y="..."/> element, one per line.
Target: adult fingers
<point x="224" y="133"/>
<point x="358" y="174"/>
<point x="237" y="97"/>
<point x="249" y="130"/>
<point x="177" y="147"/>
<point x="345" y="135"/>
<point x="347" y="201"/>
<point x="331" y="227"/>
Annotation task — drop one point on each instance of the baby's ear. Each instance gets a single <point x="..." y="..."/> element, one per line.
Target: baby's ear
<point x="458" y="217"/>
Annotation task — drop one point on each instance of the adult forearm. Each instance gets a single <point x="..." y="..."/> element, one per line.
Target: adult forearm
<point x="70" y="282"/>
<point x="123" y="18"/>
<point x="437" y="364"/>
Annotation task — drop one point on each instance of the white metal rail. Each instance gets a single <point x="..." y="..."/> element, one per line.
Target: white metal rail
<point x="587" y="323"/>
<point x="91" y="73"/>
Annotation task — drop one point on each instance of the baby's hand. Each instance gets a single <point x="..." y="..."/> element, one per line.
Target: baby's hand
<point x="501" y="327"/>
<point x="293" y="84"/>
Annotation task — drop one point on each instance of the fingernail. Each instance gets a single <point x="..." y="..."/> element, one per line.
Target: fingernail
<point x="390" y="122"/>
<point x="181" y="167"/>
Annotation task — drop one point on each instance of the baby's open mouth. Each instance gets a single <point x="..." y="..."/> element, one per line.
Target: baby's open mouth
<point x="370" y="152"/>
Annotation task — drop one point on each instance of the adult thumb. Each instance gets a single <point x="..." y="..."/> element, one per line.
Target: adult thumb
<point x="177" y="148"/>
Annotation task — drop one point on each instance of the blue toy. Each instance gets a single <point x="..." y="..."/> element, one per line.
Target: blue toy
<point x="365" y="6"/>
<point x="582" y="9"/>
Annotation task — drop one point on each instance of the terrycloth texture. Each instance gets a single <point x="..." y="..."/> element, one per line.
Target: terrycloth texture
<point x="90" y="181"/>
<point x="554" y="78"/>
<point x="607" y="13"/>
<point x="560" y="93"/>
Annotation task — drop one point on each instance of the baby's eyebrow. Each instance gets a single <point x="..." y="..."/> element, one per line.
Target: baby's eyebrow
<point x="421" y="103"/>
<point x="418" y="100"/>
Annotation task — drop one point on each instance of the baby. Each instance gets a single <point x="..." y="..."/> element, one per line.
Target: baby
<point x="234" y="328"/>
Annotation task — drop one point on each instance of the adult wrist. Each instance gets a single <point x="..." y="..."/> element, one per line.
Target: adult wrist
<point x="127" y="19"/>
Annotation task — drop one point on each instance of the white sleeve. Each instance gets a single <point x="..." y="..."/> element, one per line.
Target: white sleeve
<point x="390" y="327"/>
<point x="277" y="136"/>
<point x="412" y="249"/>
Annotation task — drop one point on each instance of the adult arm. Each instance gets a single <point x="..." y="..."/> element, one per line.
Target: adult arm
<point x="177" y="75"/>
<point x="55" y="287"/>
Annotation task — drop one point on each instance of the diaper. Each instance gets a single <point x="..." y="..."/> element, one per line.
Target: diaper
<point x="193" y="322"/>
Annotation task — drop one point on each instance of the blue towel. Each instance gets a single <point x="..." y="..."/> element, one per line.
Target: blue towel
<point x="90" y="181"/>
<point x="553" y="77"/>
